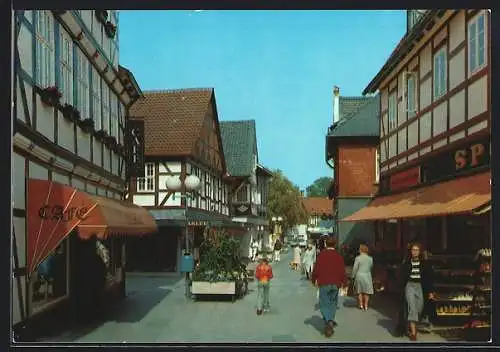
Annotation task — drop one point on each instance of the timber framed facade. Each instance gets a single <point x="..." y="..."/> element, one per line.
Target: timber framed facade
<point x="71" y="101"/>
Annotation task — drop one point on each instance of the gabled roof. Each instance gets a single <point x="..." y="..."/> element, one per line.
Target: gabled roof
<point x="365" y="122"/>
<point x="348" y="106"/>
<point x="239" y="141"/>
<point x="173" y="119"/>
<point x="318" y="205"/>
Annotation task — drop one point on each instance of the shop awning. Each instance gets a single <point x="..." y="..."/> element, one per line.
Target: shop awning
<point x="55" y="210"/>
<point x="460" y="196"/>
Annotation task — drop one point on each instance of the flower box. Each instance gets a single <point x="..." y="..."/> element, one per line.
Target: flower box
<point x="102" y="16"/>
<point x="110" y="29"/>
<point x="86" y="125"/>
<point x="70" y="112"/>
<point x="101" y="134"/>
<point x="110" y="141"/>
<point x="51" y="96"/>
<point x="213" y="288"/>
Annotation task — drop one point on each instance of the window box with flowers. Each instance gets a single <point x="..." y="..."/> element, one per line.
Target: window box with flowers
<point x="102" y="16"/>
<point x="110" y="141"/>
<point x="87" y="125"/>
<point x="110" y="29"/>
<point x="70" y="113"/>
<point x="101" y="134"/>
<point x="51" y="96"/>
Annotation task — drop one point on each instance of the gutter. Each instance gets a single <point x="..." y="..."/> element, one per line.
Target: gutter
<point x="404" y="46"/>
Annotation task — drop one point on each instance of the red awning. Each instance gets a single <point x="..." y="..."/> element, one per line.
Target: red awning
<point x="463" y="195"/>
<point x="55" y="210"/>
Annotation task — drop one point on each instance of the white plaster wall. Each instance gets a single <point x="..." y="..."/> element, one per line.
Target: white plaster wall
<point x="457" y="69"/>
<point x="478" y="98"/>
<point x="439" y="144"/>
<point x="20" y="229"/>
<point x="457" y="136"/>
<point x="91" y="189"/>
<point x="457" y="109"/>
<point x="440" y="36"/>
<point x="392" y="146"/>
<point x="162" y="181"/>
<point x="393" y="165"/>
<point x="425" y="93"/>
<point x="115" y="160"/>
<point x="412" y="134"/>
<point x="25" y="44"/>
<point x="440" y="116"/>
<point x="78" y="184"/>
<point x="45" y="119"/>
<point x="18" y="181"/>
<point x="37" y="171"/>
<point x="62" y="179"/>
<point x="144" y="199"/>
<point x="425" y="60"/>
<point x="384" y="99"/>
<point x="97" y="157"/>
<point x="477" y="127"/>
<point x="425" y="127"/>
<point x="383" y="156"/>
<point x="384" y="125"/>
<point x="66" y="135"/>
<point x="106" y="159"/>
<point x="402" y="141"/>
<point x="424" y="151"/>
<point x="457" y="30"/>
<point x="412" y="156"/>
<point x="28" y="14"/>
<point x="83" y="144"/>
<point x="401" y="112"/>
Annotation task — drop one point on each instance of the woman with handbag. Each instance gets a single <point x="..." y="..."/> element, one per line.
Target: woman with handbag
<point x="417" y="284"/>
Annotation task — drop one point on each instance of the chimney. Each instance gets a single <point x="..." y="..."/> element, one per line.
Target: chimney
<point x="336" y="104"/>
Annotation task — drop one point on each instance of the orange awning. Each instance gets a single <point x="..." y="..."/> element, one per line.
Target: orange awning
<point x="55" y="210"/>
<point x="460" y="196"/>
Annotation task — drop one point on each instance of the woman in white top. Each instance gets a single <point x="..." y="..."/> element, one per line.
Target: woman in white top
<point x="362" y="274"/>
<point x="308" y="260"/>
<point x="296" y="257"/>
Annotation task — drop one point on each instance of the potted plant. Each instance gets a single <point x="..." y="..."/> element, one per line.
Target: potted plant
<point x="101" y="134"/>
<point x="70" y="112"/>
<point x="110" y="141"/>
<point x="102" y="16"/>
<point x="221" y="269"/>
<point x="51" y="96"/>
<point x="87" y="125"/>
<point x="110" y="29"/>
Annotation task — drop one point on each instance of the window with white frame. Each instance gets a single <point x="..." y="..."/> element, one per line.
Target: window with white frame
<point x="477" y="43"/>
<point x="82" y="84"/>
<point x="440" y="75"/>
<point x="411" y="94"/>
<point x="96" y="99"/>
<point x="66" y="66"/>
<point x="113" y="115"/>
<point x="45" y="59"/>
<point x="105" y="106"/>
<point x="393" y="111"/>
<point x="147" y="183"/>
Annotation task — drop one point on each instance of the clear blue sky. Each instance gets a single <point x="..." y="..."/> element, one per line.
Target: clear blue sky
<point x="277" y="67"/>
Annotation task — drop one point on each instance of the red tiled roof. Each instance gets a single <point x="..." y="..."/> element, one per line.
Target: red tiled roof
<point x="172" y="119"/>
<point x="318" y="205"/>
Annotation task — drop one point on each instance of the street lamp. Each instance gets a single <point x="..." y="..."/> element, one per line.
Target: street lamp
<point x="191" y="183"/>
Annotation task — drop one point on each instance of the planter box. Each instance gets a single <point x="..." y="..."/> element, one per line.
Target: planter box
<point x="213" y="288"/>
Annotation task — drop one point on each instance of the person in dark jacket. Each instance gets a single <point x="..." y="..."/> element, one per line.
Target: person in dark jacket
<point x="277" y="250"/>
<point x="417" y="288"/>
<point x="329" y="276"/>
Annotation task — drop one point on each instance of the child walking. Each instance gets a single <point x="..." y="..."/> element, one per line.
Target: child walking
<point x="263" y="274"/>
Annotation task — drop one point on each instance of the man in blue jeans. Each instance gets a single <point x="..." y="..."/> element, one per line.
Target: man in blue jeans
<point x="329" y="276"/>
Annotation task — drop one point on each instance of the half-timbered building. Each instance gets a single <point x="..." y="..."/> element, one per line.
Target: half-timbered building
<point x="249" y="181"/>
<point x="69" y="158"/>
<point x="435" y="137"/>
<point x="182" y="137"/>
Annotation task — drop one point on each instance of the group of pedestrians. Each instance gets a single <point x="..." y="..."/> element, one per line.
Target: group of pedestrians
<point x="327" y="271"/>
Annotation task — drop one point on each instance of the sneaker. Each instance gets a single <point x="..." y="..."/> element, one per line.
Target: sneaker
<point x="328" y="330"/>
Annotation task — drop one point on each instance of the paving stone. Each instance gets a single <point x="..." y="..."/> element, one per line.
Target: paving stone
<point x="156" y="310"/>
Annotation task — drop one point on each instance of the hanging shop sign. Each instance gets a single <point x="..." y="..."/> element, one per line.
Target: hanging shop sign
<point x="405" y="179"/>
<point x="467" y="157"/>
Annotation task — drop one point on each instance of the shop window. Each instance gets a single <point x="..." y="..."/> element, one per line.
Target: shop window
<point x="50" y="280"/>
<point x="467" y="234"/>
<point x="434" y="234"/>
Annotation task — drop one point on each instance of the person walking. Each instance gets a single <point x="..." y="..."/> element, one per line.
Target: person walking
<point x="308" y="260"/>
<point x="277" y="250"/>
<point x="263" y="274"/>
<point x="362" y="276"/>
<point x="296" y="257"/>
<point x="417" y="280"/>
<point x="329" y="276"/>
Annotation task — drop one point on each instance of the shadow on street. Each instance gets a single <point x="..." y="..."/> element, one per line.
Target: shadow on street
<point x="316" y="322"/>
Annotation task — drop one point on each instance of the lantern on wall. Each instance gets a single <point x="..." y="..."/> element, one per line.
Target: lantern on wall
<point x="192" y="182"/>
<point x="173" y="183"/>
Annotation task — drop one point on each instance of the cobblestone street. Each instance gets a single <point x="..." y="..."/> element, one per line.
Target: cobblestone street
<point x="157" y="311"/>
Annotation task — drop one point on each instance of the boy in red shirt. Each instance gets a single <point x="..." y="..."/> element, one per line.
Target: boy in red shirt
<point x="329" y="276"/>
<point x="263" y="274"/>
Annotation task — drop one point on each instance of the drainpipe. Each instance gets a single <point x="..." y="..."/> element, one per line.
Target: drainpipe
<point x="336" y="116"/>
